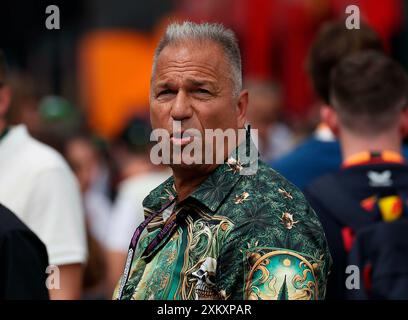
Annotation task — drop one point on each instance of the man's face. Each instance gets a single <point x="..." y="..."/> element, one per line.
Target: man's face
<point x="192" y="85"/>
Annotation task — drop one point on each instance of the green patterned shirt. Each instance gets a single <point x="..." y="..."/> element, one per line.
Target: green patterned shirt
<point x="244" y="237"/>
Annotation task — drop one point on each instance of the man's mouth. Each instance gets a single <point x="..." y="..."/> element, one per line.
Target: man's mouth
<point x="181" y="138"/>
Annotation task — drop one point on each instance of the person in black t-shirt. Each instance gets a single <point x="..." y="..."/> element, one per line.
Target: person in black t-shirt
<point x="23" y="260"/>
<point x="363" y="207"/>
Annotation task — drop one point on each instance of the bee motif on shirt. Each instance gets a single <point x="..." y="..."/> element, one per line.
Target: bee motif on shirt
<point x="287" y="220"/>
<point x="235" y="165"/>
<point x="285" y="194"/>
<point x="241" y="198"/>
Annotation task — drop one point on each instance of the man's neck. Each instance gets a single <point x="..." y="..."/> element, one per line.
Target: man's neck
<point x="186" y="181"/>
<point x="352" y="144"/>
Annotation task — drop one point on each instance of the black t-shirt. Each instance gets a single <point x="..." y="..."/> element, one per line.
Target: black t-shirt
<point x="23" y="260"/>
<point x="339" y="201"/>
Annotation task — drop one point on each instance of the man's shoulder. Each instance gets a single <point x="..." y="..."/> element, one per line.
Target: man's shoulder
<point x="275" y="219"/>
<point x="274" y="187"/>
<point x="270" y="201"/>
<point x="324" y="179"/>
<point x="363" y="176"/>
<point x="40" y="156"/>
<point x="356" y="182"/>
<point x="36" y="164"/>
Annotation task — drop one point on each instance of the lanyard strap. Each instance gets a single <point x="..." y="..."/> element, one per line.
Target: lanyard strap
<point x="132" y="246"/>
<point x="171" y="225"/>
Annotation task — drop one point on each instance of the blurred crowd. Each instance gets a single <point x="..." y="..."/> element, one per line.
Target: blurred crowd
<point x="83" y="90"/>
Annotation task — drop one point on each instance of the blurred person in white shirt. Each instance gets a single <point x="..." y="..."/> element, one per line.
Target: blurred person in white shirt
<point x="37" y="184"/>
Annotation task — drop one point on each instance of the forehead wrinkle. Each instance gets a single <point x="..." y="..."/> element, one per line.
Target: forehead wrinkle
<point x="191" y="68"/>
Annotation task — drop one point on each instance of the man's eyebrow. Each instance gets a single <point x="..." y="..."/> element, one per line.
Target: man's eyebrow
<point x="200" y="82"/>
<point x="163" y="84"/>
<point x="192" y="82"/>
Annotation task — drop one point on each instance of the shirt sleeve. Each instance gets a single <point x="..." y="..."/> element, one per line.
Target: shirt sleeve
<point x="57" y="217"/>
<point x="23" y="266"/>
<point x="287" y="259"/>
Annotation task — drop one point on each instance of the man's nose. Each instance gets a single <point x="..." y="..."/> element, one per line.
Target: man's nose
<point x="181" y="108"/>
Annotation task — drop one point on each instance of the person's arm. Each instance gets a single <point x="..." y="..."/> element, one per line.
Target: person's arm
<point x="115" y="265"/>
<point x="23" y="263"/>
<point x="70" y="283"/>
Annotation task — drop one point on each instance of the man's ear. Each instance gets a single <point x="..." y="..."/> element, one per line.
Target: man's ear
<point x="404" y="123"/>
<point x="5" y="97"/>
<point x="242" y="105"/>
<point x="330" y="117"/>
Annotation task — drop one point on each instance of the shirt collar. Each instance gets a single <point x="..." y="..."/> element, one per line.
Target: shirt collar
<point x="218" y="185"/>
<point x="160" y="196"/>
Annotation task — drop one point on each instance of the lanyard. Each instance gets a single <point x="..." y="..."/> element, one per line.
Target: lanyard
<point x="134" y="241"/>
<point x="171" y="224"/>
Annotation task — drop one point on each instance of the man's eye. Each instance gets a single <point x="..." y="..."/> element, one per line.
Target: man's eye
<point x="204" y="91"/>
<point x="166" y="91"/>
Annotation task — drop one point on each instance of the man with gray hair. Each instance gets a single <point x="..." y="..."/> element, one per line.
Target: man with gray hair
<point x="217" y="230"/>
